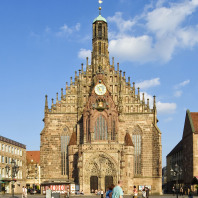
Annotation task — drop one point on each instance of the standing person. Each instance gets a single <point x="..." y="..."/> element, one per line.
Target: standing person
<point x="101" y="193"/>
<point x="181" y="191"/>
<point x="173" y="190"/>
<point x="109" y="192"/>
<point x="144" y="193"/>
<point x="48" y="192"/>
<point x="117" y="191"/>
<point x="25" y="192"/>
<point x="135" y="192"/>
<point x="190" y="194"/>
<point x="147" y="192"/>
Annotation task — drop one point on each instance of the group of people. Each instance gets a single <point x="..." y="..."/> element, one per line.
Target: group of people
<point x="24" y="192"/>
<point x="117" y="192"/>
<point x="182" y="191"/>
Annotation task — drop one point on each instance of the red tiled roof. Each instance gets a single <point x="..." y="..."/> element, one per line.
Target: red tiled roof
<point x="194" y="116"/>
<point x="33" y="155"/>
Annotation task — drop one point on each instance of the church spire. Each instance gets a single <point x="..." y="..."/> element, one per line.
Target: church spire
<point x="100" y="53"/>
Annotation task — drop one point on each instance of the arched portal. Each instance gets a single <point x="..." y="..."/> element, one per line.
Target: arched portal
<point x="100" y="171"/>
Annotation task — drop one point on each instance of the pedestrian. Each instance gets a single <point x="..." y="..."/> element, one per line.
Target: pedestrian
<point x="135" y="192"/>
<point x="67" y="193"/>
<point x="181" y="191"/>
<point x="109" y="192"/>
<point x="117" y="191"/>
<point x="48" y="192"/>
<point x="190" y="194"/>
<point x="173" y="190"/>
<point x="144" y="193"/>
<point x="147" y="192"/>
<point x="25" y="192"/>
<point x="101" y="193"/>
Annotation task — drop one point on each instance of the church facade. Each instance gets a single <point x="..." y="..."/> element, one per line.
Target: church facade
<point x="100" y="131"/>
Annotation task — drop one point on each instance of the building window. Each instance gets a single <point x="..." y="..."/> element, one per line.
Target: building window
<point x="137" y="141"/>
<point x="6" y="160"/>
<point x="12" y="150"/>
<point x="99" y="47"/>
<point x="2" y="148"/>
<point x="100" y="129"/>
<point x="2" y="159"/>
<point x="20" y="152"/>
<point x="3" y="172"/>
<point x="113" y="130"/>
<point x="100" y="30"/>
<point x="64" y="154"/>
<point x="88" y="130"/>
<point x="9" y="149"/>
<point x="6" y="148"/>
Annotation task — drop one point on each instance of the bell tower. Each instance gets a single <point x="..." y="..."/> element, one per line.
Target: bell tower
<point x="100" y="53"/>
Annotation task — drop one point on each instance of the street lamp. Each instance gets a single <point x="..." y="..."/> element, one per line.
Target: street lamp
<point x="15" y="169"/>
<point x="175" y="173"/>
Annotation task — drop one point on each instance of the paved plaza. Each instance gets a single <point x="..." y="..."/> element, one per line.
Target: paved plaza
<point x="94" y="196"/>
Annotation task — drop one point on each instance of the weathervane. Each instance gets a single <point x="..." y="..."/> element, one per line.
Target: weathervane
<point x="100" y="2"/>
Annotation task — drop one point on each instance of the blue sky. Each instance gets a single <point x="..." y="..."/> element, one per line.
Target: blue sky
<point x="44" y="42"/>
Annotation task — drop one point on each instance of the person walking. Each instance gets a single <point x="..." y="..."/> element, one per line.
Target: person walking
<point x="173" y="190"/>
<point x="109" y="192"/>
<point x="117" y="191"/>
<point x="48" y="192"/>
<point x="144" y="193"/>
<point x="135" y="192"/>
<point x="25" y="192"/>
<point x="147" y="192"/>
<point x="181" y="191"/>
<point x="101" y="193"/>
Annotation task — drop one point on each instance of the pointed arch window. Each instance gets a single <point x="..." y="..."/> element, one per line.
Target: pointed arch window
<point x="99" y="47"/>
<point x="137" y="141"/>
<point x="100" y="30"/>
<point x="64" y="151"/>
<point x="100" y="128"/>
<point x="113" y="132"/>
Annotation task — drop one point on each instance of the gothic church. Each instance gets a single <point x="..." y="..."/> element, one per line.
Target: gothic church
<point x="100" y="131"/>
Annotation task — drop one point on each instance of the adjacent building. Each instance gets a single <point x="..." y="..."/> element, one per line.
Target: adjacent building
<point x="33" y="170"/>
<point x="11" y="150"/>
<point x="185" y="155"/>
<point x="100" y="131"/>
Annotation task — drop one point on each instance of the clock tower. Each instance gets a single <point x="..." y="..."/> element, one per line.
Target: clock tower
<point x="100" y="131"/>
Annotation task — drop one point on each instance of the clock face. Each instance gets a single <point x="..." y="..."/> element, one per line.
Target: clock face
<point x="100" y="89"/>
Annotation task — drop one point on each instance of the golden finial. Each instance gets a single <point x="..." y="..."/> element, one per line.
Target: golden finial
<point x="100" y="8"/>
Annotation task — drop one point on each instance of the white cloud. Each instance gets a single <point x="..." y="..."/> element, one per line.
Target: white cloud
<point x="65" y="30"/>
<point x="83" y="54"/>
<point x="123" y="25"/>
<point x="166" y="108"/>
<point x="178" y="93"/>
<point x="77" y="27"/>
<point x="182" y="84"/>
<point x="148" y="83"/>
<point x="165" y="31"/>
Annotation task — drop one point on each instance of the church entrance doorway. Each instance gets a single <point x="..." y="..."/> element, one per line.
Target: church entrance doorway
<point x="108" y="182"/>
<point x="93" y="183"/>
